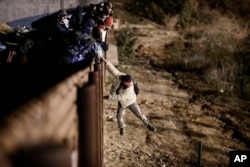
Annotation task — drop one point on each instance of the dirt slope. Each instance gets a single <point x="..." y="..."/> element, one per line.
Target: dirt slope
<point x="182" y="117"/>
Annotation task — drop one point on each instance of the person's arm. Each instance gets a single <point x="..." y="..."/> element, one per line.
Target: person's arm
<point x="103" y="59"/>
<point x="112" y="69"/>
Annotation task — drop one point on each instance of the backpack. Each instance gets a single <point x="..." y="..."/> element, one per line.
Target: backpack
<point x="136" y="88"/>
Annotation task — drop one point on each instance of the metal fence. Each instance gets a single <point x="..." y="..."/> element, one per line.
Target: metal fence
<point x="61" y="127"/>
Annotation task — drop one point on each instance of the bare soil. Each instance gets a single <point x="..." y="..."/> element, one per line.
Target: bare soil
<point x="184" y="109"/>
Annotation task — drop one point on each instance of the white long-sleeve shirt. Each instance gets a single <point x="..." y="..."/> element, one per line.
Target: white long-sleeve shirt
<point x="126" y="96"/>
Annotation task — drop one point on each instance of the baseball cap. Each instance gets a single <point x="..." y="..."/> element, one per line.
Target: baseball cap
<point x="126" y="78"/>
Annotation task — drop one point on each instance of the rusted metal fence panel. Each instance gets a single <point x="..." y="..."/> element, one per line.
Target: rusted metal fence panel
<point x="90" y="121"/>
<point x="50" y="119"/>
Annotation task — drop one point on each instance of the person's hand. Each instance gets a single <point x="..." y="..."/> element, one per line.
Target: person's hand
<point x="103" y="59"/>
<point x="106" y="97"/>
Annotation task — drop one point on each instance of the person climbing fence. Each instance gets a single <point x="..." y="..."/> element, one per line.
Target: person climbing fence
<point x="123" y="91"/>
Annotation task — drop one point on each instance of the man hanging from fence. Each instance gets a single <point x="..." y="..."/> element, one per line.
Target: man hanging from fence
<point x="123" y="91"/>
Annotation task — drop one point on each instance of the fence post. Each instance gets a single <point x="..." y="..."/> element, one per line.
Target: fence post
<point x="102" y="86"/>
<point x="89" y="146"/>
<point x="199" y="154"/>
<point x="98" y="68"/>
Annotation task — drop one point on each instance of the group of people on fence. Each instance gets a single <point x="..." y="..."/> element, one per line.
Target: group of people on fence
<point x="64" y="37"/>
<point x="85" y="27"/>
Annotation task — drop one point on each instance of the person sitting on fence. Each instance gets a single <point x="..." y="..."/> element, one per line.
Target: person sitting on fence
<point x="82" y="48"/>
<point x="103" y="24"/>
<point x="108" y="22"/>
<point x="123" y="91"/>
<point x="104" y="19"/>
<point x="76" y="19"/>
<point x="61" y="34"/>
<point x="89" y="20"/>
<point x="93" y="20"/>
<point x="108" y="11"/>
<point x="62" y="24"/>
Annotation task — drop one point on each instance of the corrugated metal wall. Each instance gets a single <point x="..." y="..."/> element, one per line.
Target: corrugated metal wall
<point x="13" y="10"/>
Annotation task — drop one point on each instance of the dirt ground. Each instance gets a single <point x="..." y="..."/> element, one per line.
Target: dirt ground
<point x="183" y="117"/>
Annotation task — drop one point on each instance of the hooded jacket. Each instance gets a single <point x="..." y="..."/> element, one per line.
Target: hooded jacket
<point x="126" y="96"/>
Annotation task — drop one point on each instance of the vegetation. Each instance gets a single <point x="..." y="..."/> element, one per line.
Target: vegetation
<point x="222" y="66"/>
<point x="157" y="11"/>
<point x="242" y="55"/>
<point x="125" y="41"/>
<point x="222" y="62"/>
<point x="188" y="16"/>
<point x="241" y="8"/>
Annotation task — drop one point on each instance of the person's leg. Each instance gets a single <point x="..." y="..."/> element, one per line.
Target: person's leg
<point x="119" y="116"/>
<point x="137" y="111"/>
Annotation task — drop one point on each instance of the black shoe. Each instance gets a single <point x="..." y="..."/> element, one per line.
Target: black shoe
<point x="122" y="131"/>
<point x="151" y="127"/>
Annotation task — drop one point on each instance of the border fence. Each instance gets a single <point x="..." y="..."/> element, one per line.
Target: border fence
<point x="50" y="116"/>
<point x="60" y="127"/>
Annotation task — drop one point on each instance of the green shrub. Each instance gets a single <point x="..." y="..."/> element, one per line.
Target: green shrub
<point x="241" y="8"/>
<point x="156" y="10"/>
<point x="188" y="17"/>
<point x="125" y="41"/>
<point x="155" y="13"/>
<point x="147" y="9"/>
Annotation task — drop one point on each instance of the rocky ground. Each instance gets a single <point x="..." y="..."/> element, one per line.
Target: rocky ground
<point x="183" y="108"/>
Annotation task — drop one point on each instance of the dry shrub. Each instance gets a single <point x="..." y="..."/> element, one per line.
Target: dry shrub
<point x="243" y="61"/>
<point x="244" y="86"/>
<point x="223" y="77"/>
<point x="213" y="22"/>
<point x="241" y="8"/>
<point x="211" y="55"/>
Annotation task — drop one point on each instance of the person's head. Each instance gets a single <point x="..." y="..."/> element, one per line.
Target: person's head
<point x="109" y="4"/>
<point x="92" y="7"/>
<point x="126" y="80"/>
<point x="79" y="9"/>
<point x="62" y="17"/>
<point x="107" y="8"/>
<point x="62" y="14"/>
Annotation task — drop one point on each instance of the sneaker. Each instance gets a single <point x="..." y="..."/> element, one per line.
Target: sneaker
<point x="122" y="131"/>
<point x="151" y="127"/>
